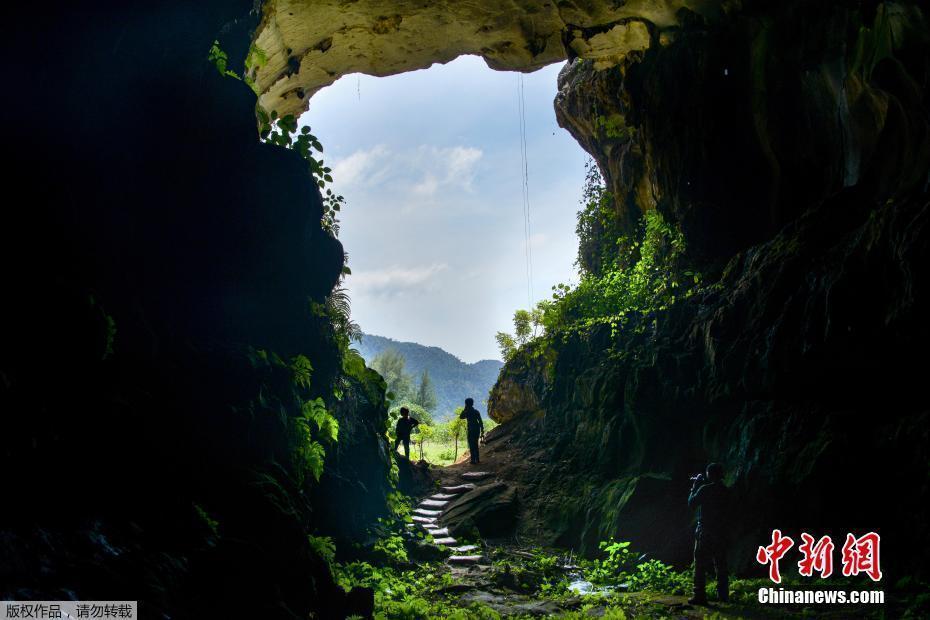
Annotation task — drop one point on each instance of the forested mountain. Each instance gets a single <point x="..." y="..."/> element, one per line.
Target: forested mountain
<point x="453" y="379"/>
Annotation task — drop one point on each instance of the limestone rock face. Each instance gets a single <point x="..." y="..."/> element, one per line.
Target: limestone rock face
<point x="791" y="145"/>
<point x="310" y="44"/>
<point x="735" y="126"/>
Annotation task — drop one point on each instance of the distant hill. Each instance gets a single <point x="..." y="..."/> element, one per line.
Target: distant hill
<point x="453" y="379"/>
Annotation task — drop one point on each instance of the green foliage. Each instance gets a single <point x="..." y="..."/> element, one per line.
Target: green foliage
<point x="324" y="547"/>
<point x="609" y="570"/>
<point x="303" y="370"/>
<point x="390" y="364"/>
<point x="660" y="577"/>
<point x="284" y="132"/>
<point x="624" y="279"/>
<point x="211" y="524"/>
<point x="614" y="127"/>
<point x="646" y="280"/>
<point x="400" y="506"/>
<point x="313" y="427"/>
<point x="256" y="58"/>
<point x="622" y="566"/>
<point x="416" y="411"/>
<point x="336" y="310"/>
<point x="426" y="394"/>
<point x="220" y="59"/>
<point x="409" y="594"/>
<point x="392" y="548"/>
<point x="598" y="227"/>
<point x="526" y="326"/>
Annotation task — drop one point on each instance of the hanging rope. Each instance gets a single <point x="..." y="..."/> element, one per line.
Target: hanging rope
<point x="525" y="174"/>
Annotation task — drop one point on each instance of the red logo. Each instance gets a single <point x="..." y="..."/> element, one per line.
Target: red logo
<point x="860" y="555"/>
<point x="773" y="553"/>
<point x="817" y="557"/>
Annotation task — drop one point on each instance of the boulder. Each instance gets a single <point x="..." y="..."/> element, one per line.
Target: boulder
<point x="491" y="509"/>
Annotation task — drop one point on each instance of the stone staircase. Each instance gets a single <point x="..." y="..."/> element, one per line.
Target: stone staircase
<point x="428" y="513"/>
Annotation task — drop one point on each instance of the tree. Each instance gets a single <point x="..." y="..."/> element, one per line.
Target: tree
<point x="426" y="433"/>
<point x="454" y="427"/>
<point x="426" y="394"/>
<point x="526" y="325"/>
<point x="416" y="411"/>
<point x="391" y="364"/>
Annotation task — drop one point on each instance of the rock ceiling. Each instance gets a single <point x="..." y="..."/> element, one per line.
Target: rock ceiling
<point x="308" y="44"/>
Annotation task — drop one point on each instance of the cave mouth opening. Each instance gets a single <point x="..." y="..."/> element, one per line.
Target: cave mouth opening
<point x="431" y="164"/>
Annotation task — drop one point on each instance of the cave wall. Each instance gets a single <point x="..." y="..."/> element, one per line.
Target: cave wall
<point x="802" y="190"/>
<point x="157" y="257"/>
<point x="734" y="127"/>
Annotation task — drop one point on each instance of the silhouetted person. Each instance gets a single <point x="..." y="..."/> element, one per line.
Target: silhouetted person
<point x="405" y="424"/>
<point x="475" y="427"/>
<point x="710" y="497"/>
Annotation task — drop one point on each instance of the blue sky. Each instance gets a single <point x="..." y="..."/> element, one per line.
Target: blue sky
<point x="429" y="164"/>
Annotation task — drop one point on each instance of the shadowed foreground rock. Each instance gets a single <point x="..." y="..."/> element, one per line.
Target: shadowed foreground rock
<point x="490" y="509"/>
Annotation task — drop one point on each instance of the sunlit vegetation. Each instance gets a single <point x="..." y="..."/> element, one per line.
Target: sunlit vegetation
<point x="625" y="278"/>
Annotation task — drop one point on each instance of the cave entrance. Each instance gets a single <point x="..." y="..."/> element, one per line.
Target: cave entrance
<point x="431" y="169"/>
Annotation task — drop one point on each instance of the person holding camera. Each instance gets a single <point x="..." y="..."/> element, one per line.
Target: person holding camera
<point x="710" y="497"/>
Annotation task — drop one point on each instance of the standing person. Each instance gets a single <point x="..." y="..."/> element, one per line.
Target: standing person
<point x="709" y="496"/>
<point x="405" y="424"/>
<point x="475" y="427"/>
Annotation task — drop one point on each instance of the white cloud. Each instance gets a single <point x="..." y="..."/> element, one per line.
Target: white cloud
<point x="461" y="162"/>
<point x="440" y="169"/>
<point x="427" y="187"/>
<point x="393" y="280"/>
<point x="359" y="166"/>
<point x="417" y="175"/>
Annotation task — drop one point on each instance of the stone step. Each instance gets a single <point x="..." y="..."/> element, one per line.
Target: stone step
<point x="419" y="519"/>
<point x="423" y="512"/>
<point x="430" y="526"/>
<point x="464" y="549"/>
<point x="439" y="532"/>
<point x="465" y="559"/>
<point x="443" y="496"/>
<point x="447" y="541"/>
<point x="433" y="503"/>
<point x="476" y="475"/>
<point x="458" y="489"/>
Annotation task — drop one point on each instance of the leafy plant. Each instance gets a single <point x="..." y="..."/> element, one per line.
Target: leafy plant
<point x="220" y="60"/>
<point x="314" y="425"/>
<point x="614" y="567"/>
<point x="526" y="325"/>
<point x="658" y="576"/>
<point x="624" y="278"/>
<point x="324" y="547"/>
<point x="392" y="548"/>
<point x="284" y="132"/>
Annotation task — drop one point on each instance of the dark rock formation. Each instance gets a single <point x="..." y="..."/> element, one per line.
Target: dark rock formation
<point x="732" y="128"/>
<point x="158" y="259"/>
<point x="798" y="163"/>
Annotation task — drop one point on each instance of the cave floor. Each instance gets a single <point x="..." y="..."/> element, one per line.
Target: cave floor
<point x="481" y="584"/>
